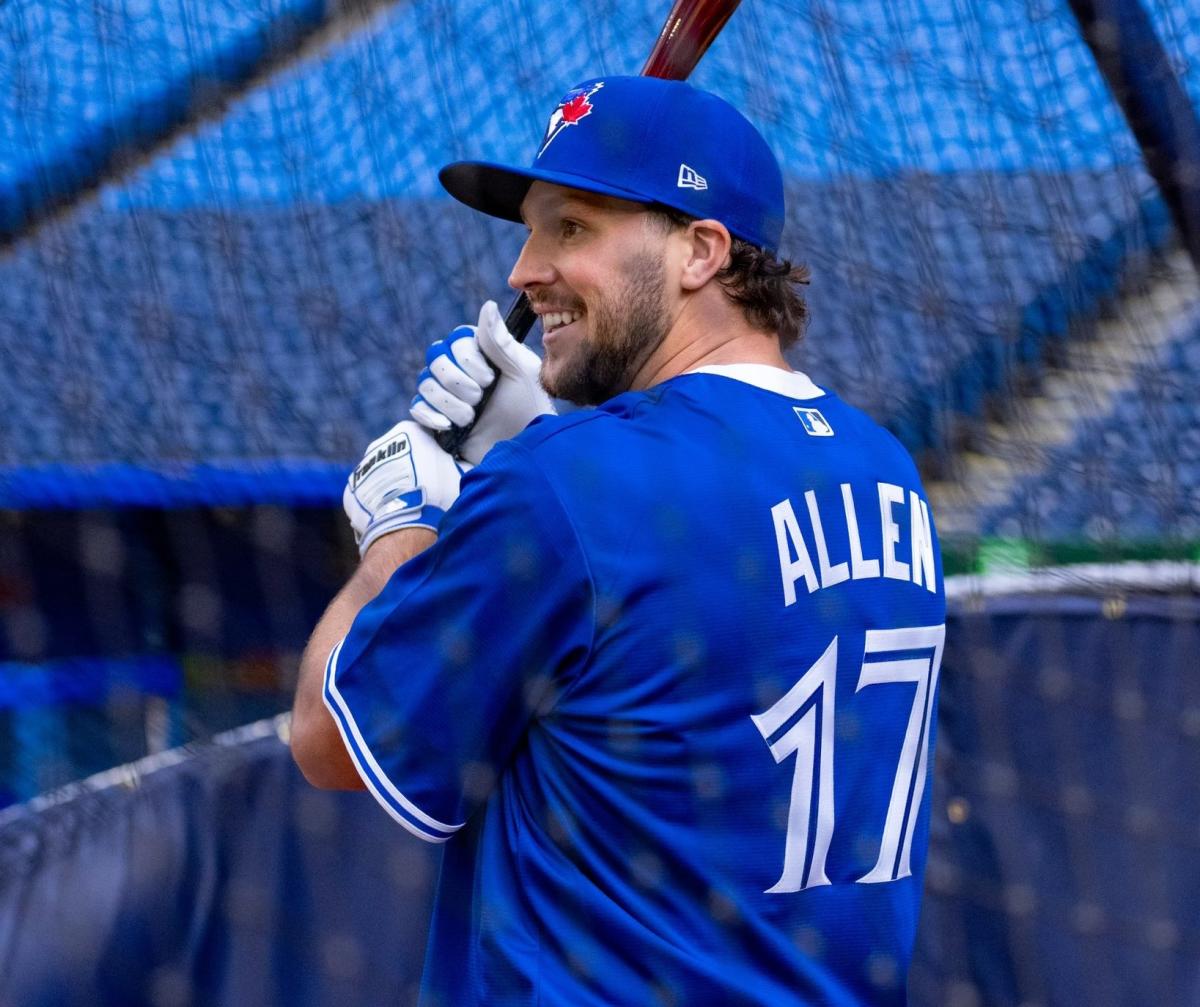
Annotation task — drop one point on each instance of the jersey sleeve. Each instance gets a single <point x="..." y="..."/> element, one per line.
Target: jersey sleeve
<point x="439" y="677"/>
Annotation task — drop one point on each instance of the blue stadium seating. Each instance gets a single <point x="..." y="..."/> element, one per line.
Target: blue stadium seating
<point x="233" y="320"/>
<point x="1175" y="25"/>
<point x="1133" y="474"/>
<point x="83" y="85"/>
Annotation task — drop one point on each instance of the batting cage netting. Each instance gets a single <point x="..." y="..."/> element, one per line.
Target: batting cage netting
<point x="223" y="251"/>
<point x="227" y="280"/>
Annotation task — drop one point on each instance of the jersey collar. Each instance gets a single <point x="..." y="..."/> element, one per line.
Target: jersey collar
<point x="793" y="384"/>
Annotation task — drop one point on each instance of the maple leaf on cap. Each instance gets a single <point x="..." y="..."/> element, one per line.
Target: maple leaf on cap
<point x="576" y="108"/>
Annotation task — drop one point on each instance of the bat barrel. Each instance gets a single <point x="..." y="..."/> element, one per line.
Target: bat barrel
<point x="688" y="32"/>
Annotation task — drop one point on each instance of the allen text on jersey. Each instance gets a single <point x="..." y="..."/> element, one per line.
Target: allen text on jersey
<point x="887" y="557"/>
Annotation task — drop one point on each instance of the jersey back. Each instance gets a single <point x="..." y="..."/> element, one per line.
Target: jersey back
<point x="711" y="786"/>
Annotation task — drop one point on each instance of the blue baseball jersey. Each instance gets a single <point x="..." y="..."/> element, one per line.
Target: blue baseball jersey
<point x="665" y="686"/>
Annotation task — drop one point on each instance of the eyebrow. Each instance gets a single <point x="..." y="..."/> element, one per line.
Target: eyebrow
<point x="587" y="200"/>
<point x="564" y="206"/>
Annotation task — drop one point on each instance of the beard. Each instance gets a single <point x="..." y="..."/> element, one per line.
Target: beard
<point x="626" y="327"/>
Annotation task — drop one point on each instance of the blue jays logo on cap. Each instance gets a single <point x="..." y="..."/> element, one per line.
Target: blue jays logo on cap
<point x="652" y="141"/>
<point x="575" y="105"/>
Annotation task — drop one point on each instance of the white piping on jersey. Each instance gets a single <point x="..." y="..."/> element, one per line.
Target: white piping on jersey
<point x="368" y="768"/>
<point x="793" y="384"/>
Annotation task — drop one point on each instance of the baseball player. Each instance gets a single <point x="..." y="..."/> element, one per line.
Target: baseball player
<point x="661" y="674"/>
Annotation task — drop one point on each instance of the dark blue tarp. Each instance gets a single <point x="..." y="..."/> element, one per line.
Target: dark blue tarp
<point x="1063" y="870"/>
<point x="224" y="879"/>
<point x="1066" y="853"/>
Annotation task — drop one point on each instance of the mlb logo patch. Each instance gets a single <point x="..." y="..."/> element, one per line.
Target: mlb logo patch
<point x="815" y="425"/>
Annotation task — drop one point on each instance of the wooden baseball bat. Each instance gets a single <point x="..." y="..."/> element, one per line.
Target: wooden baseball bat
<point x="686" y="35"/>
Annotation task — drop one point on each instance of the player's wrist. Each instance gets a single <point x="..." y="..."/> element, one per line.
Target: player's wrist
<point x="391" y="548"/>
<point x="425" y="519"/>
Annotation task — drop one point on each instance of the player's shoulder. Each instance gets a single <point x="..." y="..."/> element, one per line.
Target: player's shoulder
<point x="867" y="438"/>
<point x="630" y="431"/>
<point x="862" y="422"/>
<point x="575" y="453"/>
<point x="549" y="435"/>
<point x="548" y="432"/>
<point x="683" y="403"/>
<point x="629" y="414"/>
<point x="545" y="447"/>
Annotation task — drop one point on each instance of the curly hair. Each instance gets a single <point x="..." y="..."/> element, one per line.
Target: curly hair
<point x="763" y="286"/>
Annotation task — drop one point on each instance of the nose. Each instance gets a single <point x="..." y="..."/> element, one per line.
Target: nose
<point x="532" y="268"/>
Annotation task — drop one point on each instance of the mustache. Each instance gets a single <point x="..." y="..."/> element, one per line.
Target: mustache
<point x="540" y="304"/>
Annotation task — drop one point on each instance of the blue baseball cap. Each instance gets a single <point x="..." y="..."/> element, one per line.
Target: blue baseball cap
<point x="649" y="141"/>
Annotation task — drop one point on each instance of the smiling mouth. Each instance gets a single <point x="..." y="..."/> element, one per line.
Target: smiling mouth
<point x="552" y="321"/>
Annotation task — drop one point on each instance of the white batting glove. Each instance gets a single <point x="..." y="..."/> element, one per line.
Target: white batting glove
<point x="460" y="366"/>
<point x="405" y="480"/>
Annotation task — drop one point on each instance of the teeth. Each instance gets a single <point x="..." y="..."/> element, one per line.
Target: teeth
<point x="557" y="319"/>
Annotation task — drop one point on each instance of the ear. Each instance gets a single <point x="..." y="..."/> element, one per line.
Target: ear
<point x="706" y="251"/>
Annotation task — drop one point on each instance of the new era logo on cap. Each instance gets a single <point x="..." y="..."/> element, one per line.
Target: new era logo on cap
<point x="623" y="137"/>
<point x="690" y="178"/>
<point x="815" y="425"/>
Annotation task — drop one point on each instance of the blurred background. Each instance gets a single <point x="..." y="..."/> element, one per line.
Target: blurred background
<point x="223" y="250"/>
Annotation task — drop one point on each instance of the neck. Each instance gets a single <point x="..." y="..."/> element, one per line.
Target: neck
<point x="701" y="336"/>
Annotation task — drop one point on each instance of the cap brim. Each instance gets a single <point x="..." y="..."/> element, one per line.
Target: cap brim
<point x="499" y="189"/>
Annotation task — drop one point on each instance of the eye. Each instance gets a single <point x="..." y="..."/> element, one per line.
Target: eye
<point x="570" y="228"/>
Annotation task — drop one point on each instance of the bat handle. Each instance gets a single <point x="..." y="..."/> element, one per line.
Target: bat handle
<point x="518" y="319"/>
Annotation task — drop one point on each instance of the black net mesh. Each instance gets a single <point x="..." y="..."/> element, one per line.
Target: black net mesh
<point x="224" y="250"/>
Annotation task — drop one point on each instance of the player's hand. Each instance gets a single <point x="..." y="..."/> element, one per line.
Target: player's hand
<point x="405" y="480"/>
<point x="458" y="369"/>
